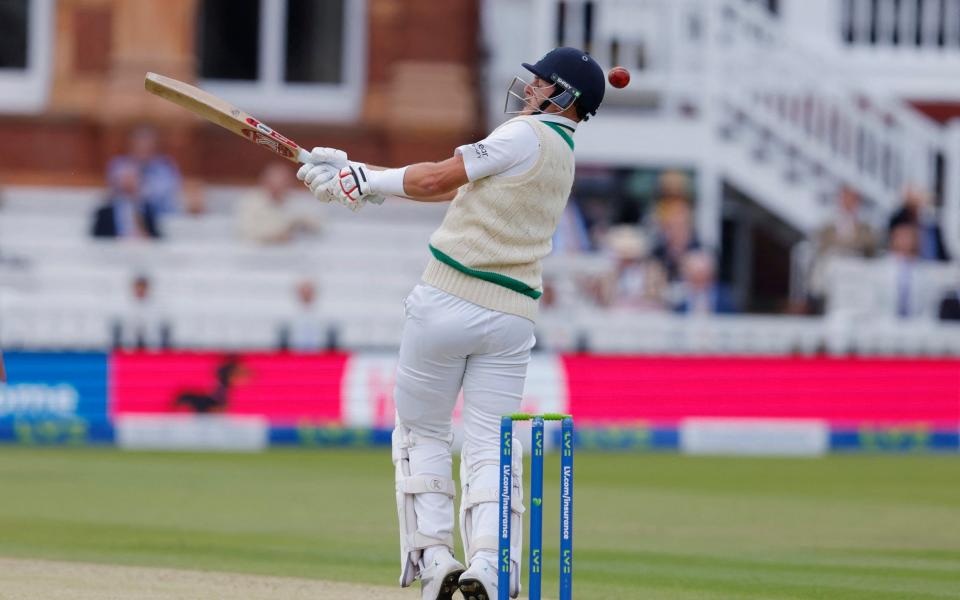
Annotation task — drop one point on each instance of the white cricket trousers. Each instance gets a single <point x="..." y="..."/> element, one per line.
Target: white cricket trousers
<point x="449" y="343"/>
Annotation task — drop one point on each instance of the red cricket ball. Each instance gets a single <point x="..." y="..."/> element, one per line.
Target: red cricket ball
<point x="619" y="77"/>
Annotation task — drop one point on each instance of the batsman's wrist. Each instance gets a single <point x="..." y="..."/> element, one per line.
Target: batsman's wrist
<point x="388" y="182"/>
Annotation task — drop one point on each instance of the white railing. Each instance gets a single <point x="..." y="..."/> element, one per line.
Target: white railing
<point x="823" y="123"/>
<point x="659" y="41"/>
<point x="740" y="69"/>
<point x="905" y="25"/>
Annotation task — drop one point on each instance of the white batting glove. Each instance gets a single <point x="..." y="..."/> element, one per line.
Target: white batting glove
<point x="354" y="187"/>
<point x="318" y="177"/>
<point x="331" y="156"/>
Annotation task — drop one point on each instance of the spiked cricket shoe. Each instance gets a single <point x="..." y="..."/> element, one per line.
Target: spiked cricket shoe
<point x="479" y="582"/>
<point x="438" y="580"/>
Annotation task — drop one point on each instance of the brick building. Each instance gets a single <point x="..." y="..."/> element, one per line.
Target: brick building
<point x="390" y="82"/>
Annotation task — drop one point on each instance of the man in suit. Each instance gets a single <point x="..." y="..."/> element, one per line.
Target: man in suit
<point x="699" y="292"/>
<point x="903" y="292"/>
<point x="160" y="179"/>
<point x="125" y="214"/>
<point x="918" y="210"/>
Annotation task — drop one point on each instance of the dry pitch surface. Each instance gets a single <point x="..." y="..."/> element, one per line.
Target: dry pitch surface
<point x="54" y="580"/>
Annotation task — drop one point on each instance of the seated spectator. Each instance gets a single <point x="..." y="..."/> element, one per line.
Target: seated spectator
<point x="902" y="291"/>
<point x="141" y="326"/>
<point x="673" y="183"/>
<point x="918" y="210"/>
<point x="699" y="293"/>
<point x="675" y="236"/>
<point x="847" y="235"/>
<point x="125" y="214"/>
<point x="637" y="281"/>
<point x="194" y="199"/>
<point x="265" y="215"/>
<point x="159" y="176"/>
<point x="306" y="331"/>
<point x="571" y="236"/>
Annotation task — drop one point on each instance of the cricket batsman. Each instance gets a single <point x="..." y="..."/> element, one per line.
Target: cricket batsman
<point x="469" y="323"/>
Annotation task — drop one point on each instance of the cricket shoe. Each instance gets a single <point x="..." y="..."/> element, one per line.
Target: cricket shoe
<point x="479" y="582"/>
<point x="438" y="580"/>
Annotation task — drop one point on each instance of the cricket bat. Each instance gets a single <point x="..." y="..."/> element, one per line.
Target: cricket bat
<point x="225" y="115"/>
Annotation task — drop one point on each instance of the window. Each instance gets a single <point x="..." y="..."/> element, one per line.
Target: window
<point x="25" y="47"/>
<point x="13" y="34"/>
<point x="227" y="50"/>
<point x="311" y="44"/>
<point x="294" y="59"/>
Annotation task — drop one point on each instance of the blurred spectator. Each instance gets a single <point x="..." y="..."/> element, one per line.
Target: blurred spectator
<point x="194" y="199"/>
<point x="306" y="331"/>
<point x="125" y="214"/>
<point x="673" y="183"/>
<point x="674" y="234"/>
<point x="699" y="293"/>
<point x="571" y="236"/>
<point x="637" y="281"/>
<point x="902" y="276"/>
<point x="847" y="235"/>
<point x="141" y="326"/>
<point x="918" y="210"/>
<point x="548" y="301"/>
<point x="265" y="215"/>
<point x="159" y="175"/>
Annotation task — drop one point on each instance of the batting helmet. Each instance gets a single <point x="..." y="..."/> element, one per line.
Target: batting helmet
<point x="574" y="72"/>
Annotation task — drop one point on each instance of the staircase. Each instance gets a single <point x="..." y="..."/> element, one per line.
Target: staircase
<point x="773" y="116"/>
<point x="791" y="129"/>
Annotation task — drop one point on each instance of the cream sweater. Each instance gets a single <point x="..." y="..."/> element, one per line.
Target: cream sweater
<point x="497" y="230"/>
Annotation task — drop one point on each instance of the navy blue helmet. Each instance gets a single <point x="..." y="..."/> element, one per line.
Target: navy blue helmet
<point x="576" y="74"/>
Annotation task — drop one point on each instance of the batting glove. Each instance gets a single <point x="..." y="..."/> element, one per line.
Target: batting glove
<point x="331" y="156"/>
<point x="354" y="186"/>
<point x="317" y="177"/>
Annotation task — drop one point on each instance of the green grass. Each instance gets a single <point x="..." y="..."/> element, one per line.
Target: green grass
<point x="647" y="526"/>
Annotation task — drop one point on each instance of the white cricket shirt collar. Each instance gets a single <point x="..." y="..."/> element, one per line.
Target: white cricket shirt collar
<point x="556" y="119"/>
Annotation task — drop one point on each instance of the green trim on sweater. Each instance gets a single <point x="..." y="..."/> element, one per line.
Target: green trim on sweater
<point x="495" y="278"/>
<point x="560" y="129"/>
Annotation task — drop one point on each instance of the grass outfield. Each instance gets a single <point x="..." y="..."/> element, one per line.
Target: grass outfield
<point x="647" y="526"/>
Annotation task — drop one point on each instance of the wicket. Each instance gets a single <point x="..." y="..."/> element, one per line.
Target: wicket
<point x="536" y="503"/>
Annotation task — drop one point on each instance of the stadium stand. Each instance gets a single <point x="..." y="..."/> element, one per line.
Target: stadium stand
<point x="62" y="289"/>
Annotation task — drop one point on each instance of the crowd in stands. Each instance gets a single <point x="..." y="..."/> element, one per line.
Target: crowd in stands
<point x="144" y="185"/>
<point x="145" y="324"/>
<point x="658" y="264"/>
<point x="912" y="237"/>
<point x="641" y="223"/>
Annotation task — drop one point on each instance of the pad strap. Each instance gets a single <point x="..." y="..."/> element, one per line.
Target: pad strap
<point x="427" y="484"/>
<point x="474" y="497"/>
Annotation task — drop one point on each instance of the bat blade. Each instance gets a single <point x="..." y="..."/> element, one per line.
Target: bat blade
<point x="224" y="114"/>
